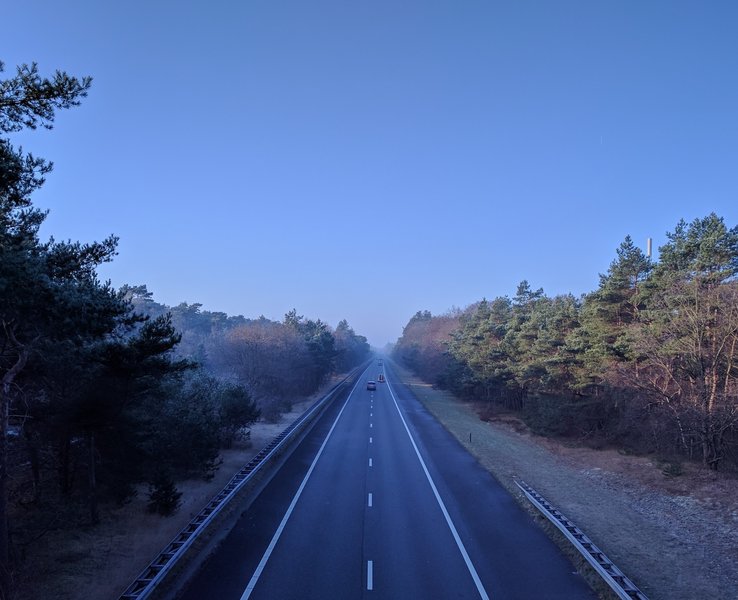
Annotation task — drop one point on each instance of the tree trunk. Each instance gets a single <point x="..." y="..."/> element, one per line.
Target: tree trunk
<point x="92" y="480"/>
<point x="4" y="542"/>
<point x="729" y="368"/>
<point x="35" y="463"/>
<point x="7" y="382"/>
<point x="65" y="449"/>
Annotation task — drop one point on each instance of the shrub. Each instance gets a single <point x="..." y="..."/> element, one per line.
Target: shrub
<point x="164" y="498"/>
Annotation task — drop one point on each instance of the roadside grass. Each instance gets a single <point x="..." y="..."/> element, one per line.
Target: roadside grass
<point x="462" y="420"/>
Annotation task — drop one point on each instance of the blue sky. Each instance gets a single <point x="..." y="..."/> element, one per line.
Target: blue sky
<point x="365" y="160"/>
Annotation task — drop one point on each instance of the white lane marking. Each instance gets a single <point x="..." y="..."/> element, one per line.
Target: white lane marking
<point x="370" y="574"/>
<point x="370" y="499"/>
<point x="472" y="571"/>
<point x="370" y="463"/>
<point x="370" y="425"/>
<point x="370" y="440"/>
<point x="371" y="414"/>
<point x="268" y="552"/>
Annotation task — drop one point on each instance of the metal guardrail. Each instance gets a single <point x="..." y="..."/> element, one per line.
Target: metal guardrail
<point x="623" y="587"/>
<point x="151" y="576"/>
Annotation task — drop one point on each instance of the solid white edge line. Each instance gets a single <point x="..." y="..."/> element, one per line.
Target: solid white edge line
<point x="459" y="543"/>
<point x="275" y="538"/>
<point x="370" y="575"/>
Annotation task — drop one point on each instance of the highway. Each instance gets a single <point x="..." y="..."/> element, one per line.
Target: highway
<point x="380" y="501"/>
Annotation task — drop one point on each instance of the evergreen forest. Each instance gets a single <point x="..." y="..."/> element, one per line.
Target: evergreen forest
<point x="646" y="363"/>
<point x="104" y="391"/>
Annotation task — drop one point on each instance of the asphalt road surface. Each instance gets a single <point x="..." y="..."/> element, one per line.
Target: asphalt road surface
<point x="379" y="501"/>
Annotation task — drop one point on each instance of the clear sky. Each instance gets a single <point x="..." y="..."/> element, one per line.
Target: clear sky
<point x="365" y="160"/>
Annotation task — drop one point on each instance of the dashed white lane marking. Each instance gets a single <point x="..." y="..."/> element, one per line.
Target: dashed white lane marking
<point x="371" y="463"/>
<point x="275" y="538"/>
<point x="371" y="425"/>
<point x="370" y="575"/>
<point x="371" y="414"/>
<point x="371" y="440"/>
<point x="371" y="498"/>
<point x="460" y="545"/>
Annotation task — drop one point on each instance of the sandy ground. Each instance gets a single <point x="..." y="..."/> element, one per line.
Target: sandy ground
<point x="676" y="537"/>
<point x="99" y="563"/>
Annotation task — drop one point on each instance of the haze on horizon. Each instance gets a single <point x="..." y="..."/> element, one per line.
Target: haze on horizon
<point x="369" y="161"/>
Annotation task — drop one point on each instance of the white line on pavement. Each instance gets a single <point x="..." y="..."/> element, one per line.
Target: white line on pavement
<point x="472" y="571"/>
<point x="370" y="463"/>
<point x="370" y="574"/>
<point x="275" y="538"/>
<point x="371" y="498"/>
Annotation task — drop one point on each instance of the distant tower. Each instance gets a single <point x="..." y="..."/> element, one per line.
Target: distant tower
<point x="648" y="248"/>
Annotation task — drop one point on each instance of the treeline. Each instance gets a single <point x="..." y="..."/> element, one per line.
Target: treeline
<point x="93" y="401"/>
<point x="278" y="362"/>
<point x="103" y="390"/>
<point x="648" y="361"/>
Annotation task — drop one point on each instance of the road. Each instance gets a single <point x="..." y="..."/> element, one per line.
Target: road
<point x="379" y="501"/>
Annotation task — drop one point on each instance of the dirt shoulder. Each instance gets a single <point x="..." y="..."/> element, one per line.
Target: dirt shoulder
<point x="676" y="537"/>
<point x="100" y="562"/>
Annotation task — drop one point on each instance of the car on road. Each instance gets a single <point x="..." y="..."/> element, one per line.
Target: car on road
<point x="380" y="378"/>
<point x="371" y="385"/>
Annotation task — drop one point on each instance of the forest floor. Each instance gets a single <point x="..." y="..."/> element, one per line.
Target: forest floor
<point x="676" y="537"/>
<point x="98" y="563"/>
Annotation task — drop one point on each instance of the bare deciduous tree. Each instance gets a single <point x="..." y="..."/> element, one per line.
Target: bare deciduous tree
<point x="688" y="364"/>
